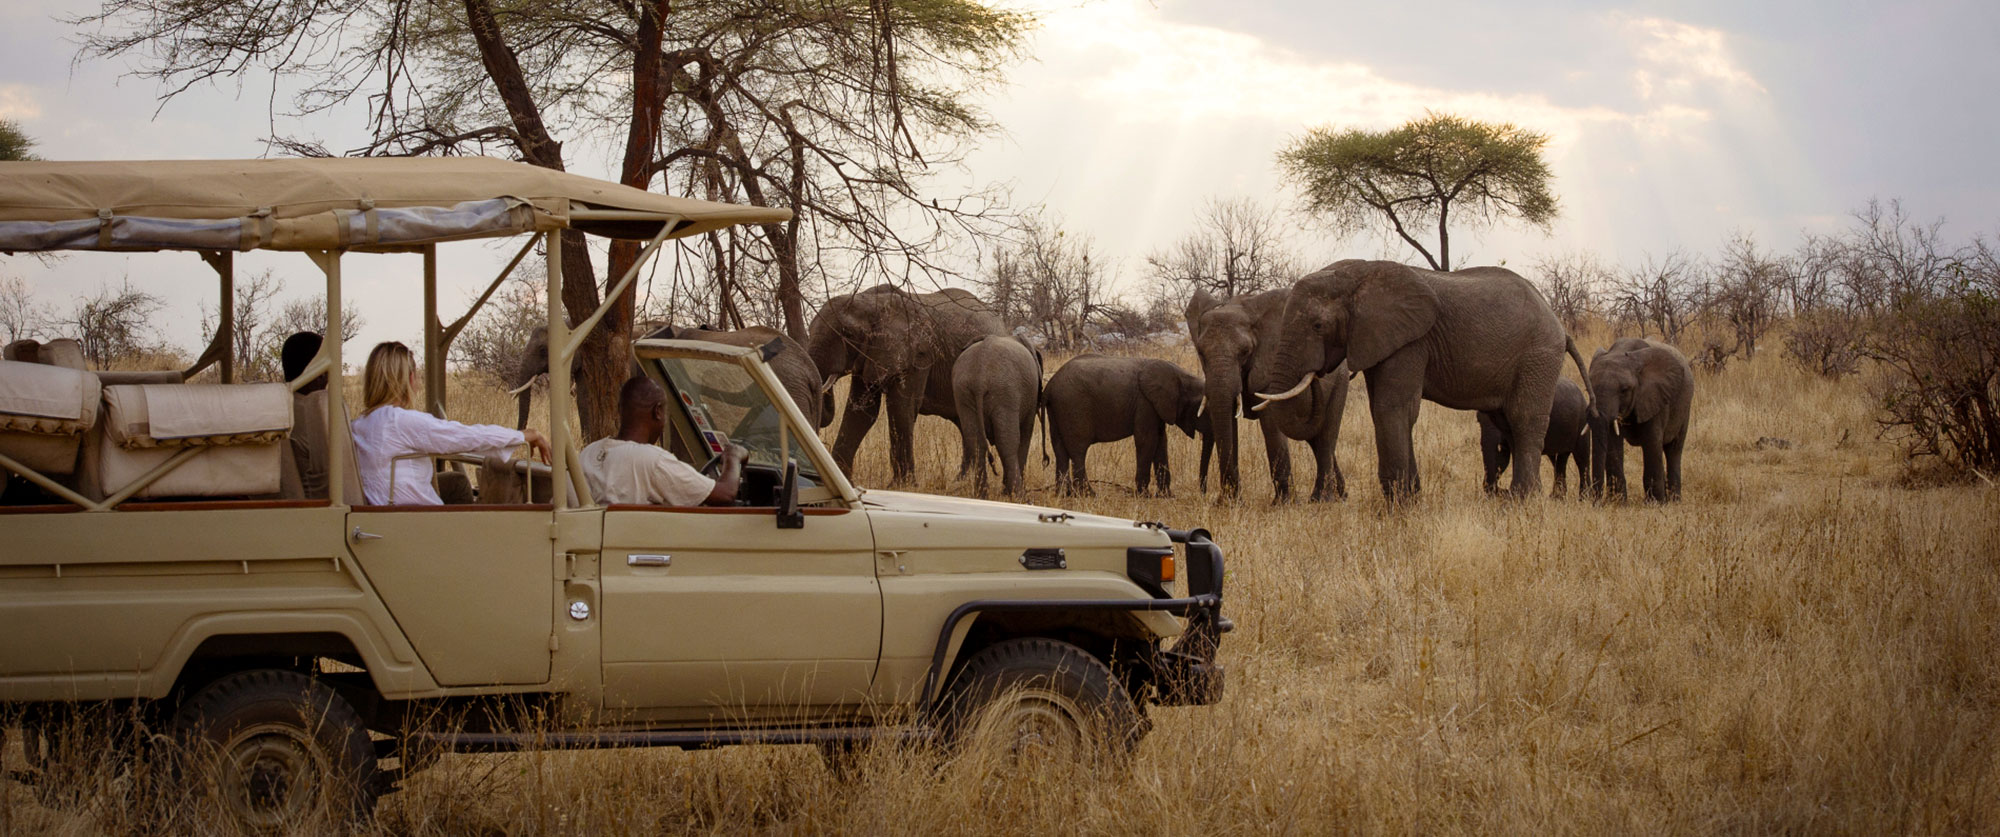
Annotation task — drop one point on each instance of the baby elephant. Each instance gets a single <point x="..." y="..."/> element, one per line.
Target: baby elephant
<point x="1094" y="399"/>
<point x="1568" y="435"/>
<point x="1644" y="391"/>
<point x="997" y="384"/>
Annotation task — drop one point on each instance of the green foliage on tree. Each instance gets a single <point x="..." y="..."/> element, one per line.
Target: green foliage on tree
<point x="14" y="142"/>
<point x="1436" y="171"/>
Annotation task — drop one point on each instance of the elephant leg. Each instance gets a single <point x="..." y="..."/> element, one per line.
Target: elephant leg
<point x="1561" y="489"/>
<point x="1279" y="454"/>
<point x="903" y="398"/>
<point x="1147" y="440"/>
<point x="1673" y="451"/>
<point x="1006" y="440"/>
<point x="1027" y="436"/>
<point x="1059" y="450"/>
<point x="1655" y="473"/>
<point x="1493" y="451"/>
<point x="1395" y="392"/>
<point x="1328" y="483"/>
<point x="968" y="453"/>
<point x="1079" y="464"/>
<point x="864" y="404"/>
<point x="1529" y="426"/>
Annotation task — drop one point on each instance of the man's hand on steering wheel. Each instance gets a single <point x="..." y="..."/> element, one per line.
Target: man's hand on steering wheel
<point x="731" y="459"/>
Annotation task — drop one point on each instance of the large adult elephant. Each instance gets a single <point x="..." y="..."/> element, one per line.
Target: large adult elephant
<point x="795" y="370"/>
<point x="1644" y="393"/>
<point x="1481" y="338"/>
<point x="900" y="345"/>
<point x="1238" y="341"/>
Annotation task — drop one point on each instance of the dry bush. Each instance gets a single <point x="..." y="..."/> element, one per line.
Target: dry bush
<point x="1800" y="646"/>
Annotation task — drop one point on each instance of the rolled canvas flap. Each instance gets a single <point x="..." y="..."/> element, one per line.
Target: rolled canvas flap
<point x="155" y="415"/>
<point x="47" y="399"/>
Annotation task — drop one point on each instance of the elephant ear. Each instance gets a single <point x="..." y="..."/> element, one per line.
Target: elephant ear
<point x="1162" y="390"/>
<point x="1390" y="308"/>
<point x="1198" y="305"/>
<point x="1660" y="376"/>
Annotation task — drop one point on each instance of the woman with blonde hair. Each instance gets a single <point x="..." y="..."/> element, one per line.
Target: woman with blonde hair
<point x="388" y="429"/>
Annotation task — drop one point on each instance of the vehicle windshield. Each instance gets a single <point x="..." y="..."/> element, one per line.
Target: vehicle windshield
<point x="717" y="396"/>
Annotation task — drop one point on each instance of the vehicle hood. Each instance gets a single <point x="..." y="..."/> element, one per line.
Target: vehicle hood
<point x="910" y="501"/>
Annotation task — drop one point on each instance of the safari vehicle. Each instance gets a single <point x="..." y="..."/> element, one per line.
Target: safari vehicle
<point x="171" y="573"/>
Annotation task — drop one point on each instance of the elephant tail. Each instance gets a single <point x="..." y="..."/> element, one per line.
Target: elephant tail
<point x="1583" y="373"/>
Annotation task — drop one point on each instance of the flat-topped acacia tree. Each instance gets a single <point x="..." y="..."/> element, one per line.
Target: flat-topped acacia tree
<point x="1432" y="171"/>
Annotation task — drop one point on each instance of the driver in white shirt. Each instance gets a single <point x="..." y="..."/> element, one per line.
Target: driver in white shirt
<point x="632" y="468"/>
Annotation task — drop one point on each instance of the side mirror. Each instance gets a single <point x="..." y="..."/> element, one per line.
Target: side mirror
<point x="789" y="516"/>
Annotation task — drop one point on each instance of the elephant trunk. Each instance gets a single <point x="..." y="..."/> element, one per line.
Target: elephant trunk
<point x="1225" y="384"/>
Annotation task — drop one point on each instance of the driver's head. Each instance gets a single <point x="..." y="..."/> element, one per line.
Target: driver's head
<point x="642" y="409"/>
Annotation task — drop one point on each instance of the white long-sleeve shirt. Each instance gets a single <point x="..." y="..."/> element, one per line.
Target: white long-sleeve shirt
<point x="388" y="432"/>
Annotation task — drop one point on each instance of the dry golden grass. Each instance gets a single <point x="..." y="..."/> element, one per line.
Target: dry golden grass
<point x="1799" y="646"/>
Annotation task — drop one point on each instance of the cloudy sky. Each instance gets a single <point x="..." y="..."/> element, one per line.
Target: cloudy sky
<point x="1673" y="125"/>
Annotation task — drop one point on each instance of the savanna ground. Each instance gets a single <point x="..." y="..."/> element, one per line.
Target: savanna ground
<point x="1806" y="643"/>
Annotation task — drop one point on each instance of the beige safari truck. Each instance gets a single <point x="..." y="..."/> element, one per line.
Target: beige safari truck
<point x="166" y="569"/>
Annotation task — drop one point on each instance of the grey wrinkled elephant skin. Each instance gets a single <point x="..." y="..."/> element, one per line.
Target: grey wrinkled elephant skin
<point x="1644" y="395"/>
<point x="1094" y="399"/>
<point x="997" y="383"/>
<point x="1568" y="436"/>
<point x="1475" y="339"/>
<point x="900" y="345"/>
<point x="1238" y="340"/>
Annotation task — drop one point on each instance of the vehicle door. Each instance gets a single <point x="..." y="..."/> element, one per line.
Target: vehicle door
<point x="718" y="612"/>
<point x="473" y="587"/>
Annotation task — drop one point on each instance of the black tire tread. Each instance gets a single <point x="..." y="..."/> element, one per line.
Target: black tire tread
<point x="202" y="713"/>
<point x="998" y="666"/>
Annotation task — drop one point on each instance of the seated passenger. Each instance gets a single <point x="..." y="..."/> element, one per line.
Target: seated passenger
<point x="388" y="428"/>
<point x="632" y="468"/>
<point x="309" y="441"/>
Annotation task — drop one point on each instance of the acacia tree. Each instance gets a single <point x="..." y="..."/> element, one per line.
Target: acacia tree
<point x="1429" y="172"/>
<point x="834" y="108"/>
<point x="14" y="142"/>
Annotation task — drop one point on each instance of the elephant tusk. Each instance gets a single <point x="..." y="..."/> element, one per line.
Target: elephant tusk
<point x="520" y="389"/>
<point x="1269" y="398"/>
<point x="826" y="386"/>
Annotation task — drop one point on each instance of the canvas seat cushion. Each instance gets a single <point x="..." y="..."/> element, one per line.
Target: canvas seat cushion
<point x="54" y="400"/>
<point x="181" y="415"/>
<point x="44" y="412"/>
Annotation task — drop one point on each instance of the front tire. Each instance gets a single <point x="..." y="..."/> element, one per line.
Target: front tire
<point x="276" y="749"/>
<point x="1041" y="700"/>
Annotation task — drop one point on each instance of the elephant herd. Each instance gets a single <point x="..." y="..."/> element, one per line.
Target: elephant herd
<point x="1480" y="339"/>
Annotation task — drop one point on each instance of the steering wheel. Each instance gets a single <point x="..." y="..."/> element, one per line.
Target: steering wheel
<point x="713" y="468"/>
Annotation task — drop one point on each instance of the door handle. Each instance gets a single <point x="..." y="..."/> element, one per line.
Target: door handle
<point x="643" y="559"/>
<point x="359" y="535"/>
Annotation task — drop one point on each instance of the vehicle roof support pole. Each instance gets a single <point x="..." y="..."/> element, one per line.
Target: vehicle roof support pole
<point x="434" y="345"/>
<point x="221" y="347"/>
<point x="611" y="296"/>
<point x="458" y="325"/>
<point x="329" y="351"/>
<point x="560" y="352"/>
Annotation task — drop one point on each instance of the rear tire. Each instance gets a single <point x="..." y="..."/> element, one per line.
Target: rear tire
<point x="276" y="749"/>
<point x="1041" y="700"/>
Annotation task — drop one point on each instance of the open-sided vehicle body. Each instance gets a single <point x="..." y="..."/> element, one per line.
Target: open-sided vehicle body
<point x="812" y="611"/>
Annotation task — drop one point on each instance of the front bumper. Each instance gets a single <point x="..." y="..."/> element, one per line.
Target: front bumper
<point x="1187" y="674"/>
